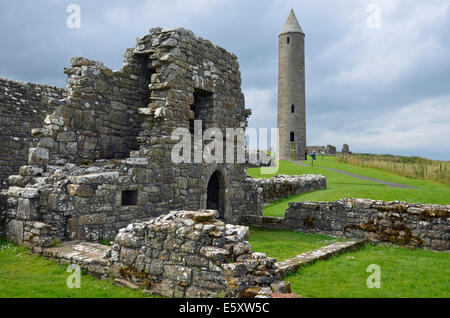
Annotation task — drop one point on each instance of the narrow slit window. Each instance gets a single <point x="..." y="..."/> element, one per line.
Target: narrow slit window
<point x="129" y="198"/>
<point x="293" y="108"/>
<point x="292" y="136"/>
<point x="287" y="40"/>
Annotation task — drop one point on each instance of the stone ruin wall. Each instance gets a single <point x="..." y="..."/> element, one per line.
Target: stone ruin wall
<point x="192" y="254"/>
<point x="71" y="195"/>
<point x="98" y="119"/>
<point x="262" y="191"/>
<point x="328" y="150"/>
<point x="401" y="223"/>
<point x="283" y="186"/>
<point x="66" y="193"/>
<point x="315" y="149"/>
<point x="23" y="106"/>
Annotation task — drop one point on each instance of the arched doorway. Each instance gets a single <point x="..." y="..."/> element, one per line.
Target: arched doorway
<point x="216" y="193"/>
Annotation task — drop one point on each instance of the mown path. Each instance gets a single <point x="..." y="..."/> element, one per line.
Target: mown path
<point x="387" y="183"/>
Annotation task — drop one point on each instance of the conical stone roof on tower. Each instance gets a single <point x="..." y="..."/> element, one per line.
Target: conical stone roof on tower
<point x="291" y="25"/>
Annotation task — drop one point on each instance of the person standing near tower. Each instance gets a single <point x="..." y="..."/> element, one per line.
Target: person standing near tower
<point x="291" y="90"/>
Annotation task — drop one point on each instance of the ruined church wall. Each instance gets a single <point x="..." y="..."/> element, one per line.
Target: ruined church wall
<point x="98" y="119"/>
<point x="84" y="200"/>
<point x="192" y="79"/>
<point x="23" y="106"/>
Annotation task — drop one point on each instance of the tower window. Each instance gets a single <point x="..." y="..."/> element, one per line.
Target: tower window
<point x="292" y="108"/>
<point x="292" y="136"/>
<point x="287" y="40"/>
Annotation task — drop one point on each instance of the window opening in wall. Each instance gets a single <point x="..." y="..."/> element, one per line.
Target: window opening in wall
<point x="287" y="40"/>
<point x="129" y="198"/>
<point x="292" y="136"/>
<point x="292" y="108"/>
<point x="202" y="108"/>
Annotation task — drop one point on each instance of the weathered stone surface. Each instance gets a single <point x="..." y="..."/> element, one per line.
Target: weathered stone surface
<point x="14" y="231"/>
<point x="22" y="108"/>
<point x="97" y="178"/>
<point x="90" y="256"/>
<point x="84" y="191"/>
<point x="203" y="270"/>
<point x="38" y="156"/>
<point x="259" y="192"/>
<point x="401" y="223"/>
<point x="124" y="283"/>
<point x="28" y="193"/>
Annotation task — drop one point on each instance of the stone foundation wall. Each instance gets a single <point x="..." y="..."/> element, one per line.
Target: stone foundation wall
<point x="23" y="106"/>
<point x="401" y="223"/>
<point x="191" y="254"/>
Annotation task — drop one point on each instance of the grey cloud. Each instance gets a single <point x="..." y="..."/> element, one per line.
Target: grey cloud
<point x="37" y="45"/>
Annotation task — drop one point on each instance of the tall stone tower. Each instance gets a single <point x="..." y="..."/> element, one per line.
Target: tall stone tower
<point x="291" y="90"/>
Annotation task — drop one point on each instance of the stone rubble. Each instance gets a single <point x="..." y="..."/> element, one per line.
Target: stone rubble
<point x="192" y="254"/>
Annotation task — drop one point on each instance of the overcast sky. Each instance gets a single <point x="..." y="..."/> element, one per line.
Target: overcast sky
<point x="381" y="90"/>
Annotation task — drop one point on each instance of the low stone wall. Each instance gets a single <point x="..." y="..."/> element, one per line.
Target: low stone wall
<point x="408" y="224"/>
<point x="191" y="254"/>
<point x="261" y="191"/>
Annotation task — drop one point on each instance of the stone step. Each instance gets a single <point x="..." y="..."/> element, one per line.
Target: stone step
<point x="92" y="257"/>
<point x="292" y="265"/>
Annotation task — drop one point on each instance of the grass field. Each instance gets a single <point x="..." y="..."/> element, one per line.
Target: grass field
<point x="286" y="244"/>
<point x="341" y="186"/>
<point x="405" y="273"/>
<point x="31" y="276"/>
<point x="413" y="167"/>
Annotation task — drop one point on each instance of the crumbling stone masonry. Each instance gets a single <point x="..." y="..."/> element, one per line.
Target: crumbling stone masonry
<point x="104" y="155"/>
<point x="262" y="191"/>
<point x="22" y="108"/>
<point x="191" y="254"/>
<point x="401" y="223"/>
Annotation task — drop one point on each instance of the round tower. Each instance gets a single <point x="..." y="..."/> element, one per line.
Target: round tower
<point x="291" y="91"/>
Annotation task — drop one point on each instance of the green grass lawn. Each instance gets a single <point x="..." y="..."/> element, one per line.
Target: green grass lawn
<point x="341" y="186"/>
<point x="286" y="244"/>
<point x="31" y="276"/>
<point x="405" y="273"/>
